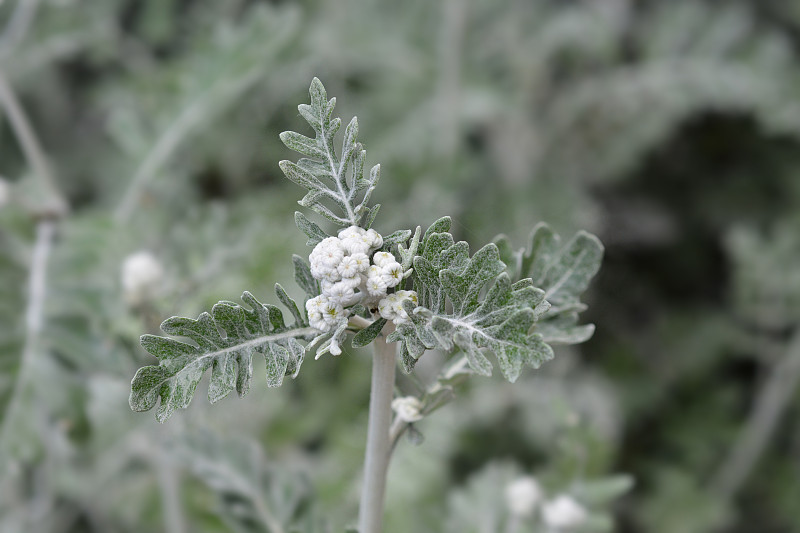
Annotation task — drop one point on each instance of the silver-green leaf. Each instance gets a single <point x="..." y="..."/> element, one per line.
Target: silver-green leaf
<point x="469" y="303"/>
<point x="226" y="340"/>
<point x="338" y="189"/>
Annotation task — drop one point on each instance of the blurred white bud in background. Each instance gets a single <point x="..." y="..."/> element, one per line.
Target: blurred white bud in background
<point x="563" y="513"/>
<point x="523" y="496"/>
<point x="408" y="408"/>
<point x="142" y="275"/>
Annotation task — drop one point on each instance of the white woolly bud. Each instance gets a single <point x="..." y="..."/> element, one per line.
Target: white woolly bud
<point x="325" y="312"/>
<point x="327" y="254"/>
<point x="322" y="272"/>
<point x="408" y="295"/>
<point x="355" y="245"/>
<point x="563" y="513"/>
<point x="352" y="282"/>
<point x="315" y="304"/>
<point x="141" y="276"/>
<point x="354" y="240"/>
<point x="408" y="408"/>
<point x="383" y="258"/>
<point x="523" y="496"/>
<point x="317" y="322"/>
<point x="314" y="307"/>
<point x="376" y="286"/>
<point x="374" y="239"/>
<point x="361" y="260"/>
<point x="386" y="307"/>
<point x="392" y="273"/>
<point x="352" y="231"/>
<point x="391" y="307"/>
<point x="332" y="313"/>
<point x="348" y="267"/>
<point x="342" y="293"/>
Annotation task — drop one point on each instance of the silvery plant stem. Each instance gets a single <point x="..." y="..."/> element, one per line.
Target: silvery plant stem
<point x="376" y="461"/>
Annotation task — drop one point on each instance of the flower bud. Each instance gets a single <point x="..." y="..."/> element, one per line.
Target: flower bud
<point x="522" y="496"/>
<point x="408" y="408"/>
<point x="563" y="513"/>
<point x="142" y="275"/>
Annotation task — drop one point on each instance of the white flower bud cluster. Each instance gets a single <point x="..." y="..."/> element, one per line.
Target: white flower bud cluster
<point x="142" y="275"/>
<point x="348" y="277"/>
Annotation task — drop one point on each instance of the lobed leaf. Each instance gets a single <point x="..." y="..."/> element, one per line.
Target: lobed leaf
<point x="226" y="340"/>
<point x="334" y="181"/>
<point x="312" y="231"/>
<point x="562" y="272"/>
<point x="303" y="277"/>
<point x="469" y="303"/>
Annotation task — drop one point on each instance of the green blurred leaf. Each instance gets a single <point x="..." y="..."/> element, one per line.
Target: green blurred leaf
<point x="563" y="272"/>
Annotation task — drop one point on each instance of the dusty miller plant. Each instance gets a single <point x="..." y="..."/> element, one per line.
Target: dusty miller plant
<point x="404" y="292"/>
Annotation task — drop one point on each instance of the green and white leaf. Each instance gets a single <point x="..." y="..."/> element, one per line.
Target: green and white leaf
<point x="337" y="187"/>
<point x="225" y="342"/>
<point x="470" y="303"/>
<point x="369" y="333"/>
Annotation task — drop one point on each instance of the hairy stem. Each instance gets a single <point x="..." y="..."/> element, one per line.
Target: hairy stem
<point x="376" y="461"/>
<point x="399" y="426"/>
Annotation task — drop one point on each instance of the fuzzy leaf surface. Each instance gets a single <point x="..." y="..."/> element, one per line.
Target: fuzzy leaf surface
<point x="337" y="186"/>
<point x="225" y="342"/>
<point x="563" y="272"/>
<point x="470" y="303"/>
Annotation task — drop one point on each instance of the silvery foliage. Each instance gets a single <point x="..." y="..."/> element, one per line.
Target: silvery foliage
<point x="510" y="303"/>
<point x="765" y="287"/>
<point x="250" y="496"/>
<point x="490" y="501"/>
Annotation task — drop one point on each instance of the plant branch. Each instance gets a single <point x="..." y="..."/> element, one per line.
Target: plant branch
<point x="54" y="204"/>
<point x="772" y="400"/>
<point x="399" y="426"/>
<point x="376" y="461"/>
<point x="17" y="26"/>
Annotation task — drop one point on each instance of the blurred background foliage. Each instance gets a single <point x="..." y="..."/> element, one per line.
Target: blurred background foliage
<point x="671" y="128"/>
